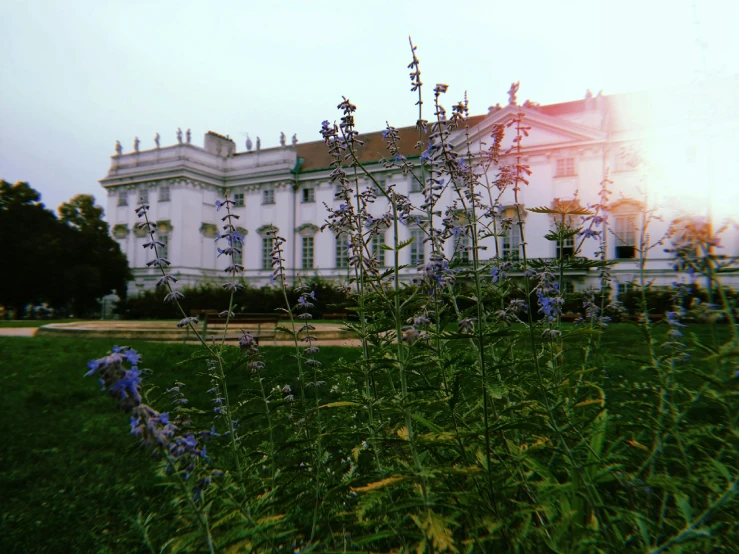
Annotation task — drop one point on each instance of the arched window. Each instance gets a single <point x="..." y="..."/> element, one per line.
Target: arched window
<point x="625" y="216"/>
<point x="510" y="230"/>
<point x="267" y="233"/>
<point x="342" y="250"/>
<point x="307" y="233"/>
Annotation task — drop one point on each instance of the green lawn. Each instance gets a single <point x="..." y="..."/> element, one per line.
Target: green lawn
<point x="72" y="477"/>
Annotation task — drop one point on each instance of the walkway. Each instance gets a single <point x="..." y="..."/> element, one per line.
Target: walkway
<point x="18" y="331"/>
<point x="328" y="334"/>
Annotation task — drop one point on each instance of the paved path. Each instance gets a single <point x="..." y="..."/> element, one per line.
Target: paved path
<point x="18" y="331"/>
<point x="328" y="334"/>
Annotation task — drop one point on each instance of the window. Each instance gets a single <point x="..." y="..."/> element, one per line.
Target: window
<point x="144" y="196"/>
<point x="625" y="162"/>
<point x="417" y="246"/>
<point x="342" y="251"/>
<point x="308" y="252"/>
<point x="376" y="244"/>
<point x="238" y="255"/>
<point x="625" y="237"/>
<point x="123" y="198"/>
<point x="239" y="199"/>
<point x="565" y="167"/>
<point x="378" y="187"/>
<point x="163" y="251"/>
<point x="416" y="181"/>
<point x="569" y="287"/>
<point x="566" y="247"/>
<point x="463" y="247"/>
<point x="164" y="194"/>
<point x="268" y="196"/>
<point x="309" y="195"/>
<point x="267" y="244"/>
<point x="512" y="243"/>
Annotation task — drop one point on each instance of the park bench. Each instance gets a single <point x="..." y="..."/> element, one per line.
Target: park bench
<point x="259" y="326"/>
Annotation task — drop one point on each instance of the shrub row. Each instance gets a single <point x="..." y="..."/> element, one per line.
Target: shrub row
<point x="150" y="304"/>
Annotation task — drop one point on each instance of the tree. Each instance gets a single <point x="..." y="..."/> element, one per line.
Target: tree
<point x="30" y="246"/>
<point x="68" y="263"/>
<point x="82" y="213"/>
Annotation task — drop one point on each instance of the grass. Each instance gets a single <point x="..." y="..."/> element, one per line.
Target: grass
<point x="73" y="479"/>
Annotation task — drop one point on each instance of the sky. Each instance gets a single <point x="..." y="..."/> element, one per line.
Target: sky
<point x="75" y="76"/>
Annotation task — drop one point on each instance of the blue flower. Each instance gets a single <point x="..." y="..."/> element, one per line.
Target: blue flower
<point x="173" y="296"/>
<point x="497" y="274"/>
<point x="93" y="366"/>
<point x="132" y="357"/>
<point x="550" y="306"/>
<point x="589" y="233"/>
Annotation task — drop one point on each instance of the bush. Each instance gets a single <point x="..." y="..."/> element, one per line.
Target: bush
<point x="660" y="300"/>
<point x="150" y="303"/>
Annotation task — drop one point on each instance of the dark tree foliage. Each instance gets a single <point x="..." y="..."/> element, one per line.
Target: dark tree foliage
<point x="68" y="263"/>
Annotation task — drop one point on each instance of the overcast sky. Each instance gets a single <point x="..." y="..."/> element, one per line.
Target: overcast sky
<point x="75" y="76"/>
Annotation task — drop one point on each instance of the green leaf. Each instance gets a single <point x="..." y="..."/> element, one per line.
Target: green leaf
<point x="426" y="423"/>
<point x="376" y="537"/>
<point x="341" y="404"/>
<point x="286" y="330"/>
<point x="683" y="504"/>
<point x="497" y="391"/>
<point x="722" y="469"/>
<point x="599" y="436"/>
<point x="643" y="529"/>
<point x="405" y="243"/>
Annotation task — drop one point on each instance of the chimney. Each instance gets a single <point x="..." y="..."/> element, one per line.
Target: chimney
<point x="219" y="145"/>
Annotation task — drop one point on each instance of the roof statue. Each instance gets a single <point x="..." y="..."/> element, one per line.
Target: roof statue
<point x="156" y="140"/>
<point x="136" y="143"/>
<point x="179" y="135"/>
<point x="512" y="93"/>
<point x="118" y="147"/>
<point x="282" y="140"/>
<point x="589" y="94"/>
<point x="189" y="136"/>
<point x="259" y="144"/>
<point x="295" y="139"/>
<point x="249" y="144"/>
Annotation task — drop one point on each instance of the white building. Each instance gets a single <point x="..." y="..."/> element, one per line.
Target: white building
<point x="686" y="139"/>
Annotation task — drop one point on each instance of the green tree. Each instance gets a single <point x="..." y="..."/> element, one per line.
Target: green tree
<point x="82" y="213"/>
<point x="68" y="263"/>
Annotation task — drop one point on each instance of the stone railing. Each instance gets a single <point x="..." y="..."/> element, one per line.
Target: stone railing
<point x="175" y="155"/>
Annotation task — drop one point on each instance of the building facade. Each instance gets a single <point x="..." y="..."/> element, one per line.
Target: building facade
<point x="659" y="161"/>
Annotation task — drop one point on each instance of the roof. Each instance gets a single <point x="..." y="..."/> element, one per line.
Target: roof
<point x="316" y="154"/>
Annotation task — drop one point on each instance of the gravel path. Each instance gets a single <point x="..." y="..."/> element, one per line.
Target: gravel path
<point x="17" y="331"/>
